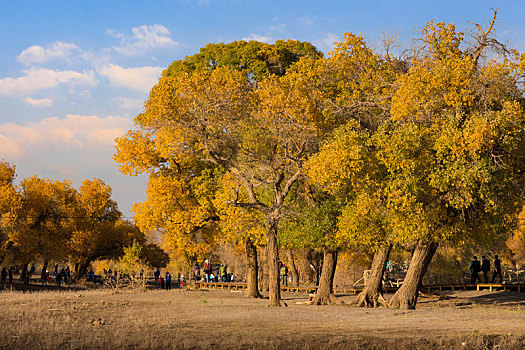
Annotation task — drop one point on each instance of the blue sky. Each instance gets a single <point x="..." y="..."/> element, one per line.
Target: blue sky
<point x="73" y="74"/>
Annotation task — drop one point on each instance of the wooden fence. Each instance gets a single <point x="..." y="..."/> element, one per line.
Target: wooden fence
<point x="354" y="290"/>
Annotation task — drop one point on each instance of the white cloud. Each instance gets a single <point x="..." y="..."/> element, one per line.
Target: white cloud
<point x="326" y="43"/>
<point x="39" y="54"/>
<point x="257" y="37"/>
<point x="279" y="28"/>
<point x="138" y="78"/>
<point x="74" y="148"/>
<point x="129" y="103"/>
<point x="42" y="78"/>
<point x="73" y="133"/>
<point x="42" y="102"/>
<point x="142" y="39"/>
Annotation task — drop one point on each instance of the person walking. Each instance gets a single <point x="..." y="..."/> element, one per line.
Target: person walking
<point x="64" y="275"/>
<point x="222" y="273"/>
<point x="207" y="271"/>
<point x="58" y="279"/>
<point x="168" y="281"/>
<point x="485" y="267"/>
<point x="45" y="278"/>
<point x="10" y="275"/>
<point x="284" y="275"/>
<point x="156" y="275"/>
<point x="475" y="267"/>
<point x="497" y="272"/>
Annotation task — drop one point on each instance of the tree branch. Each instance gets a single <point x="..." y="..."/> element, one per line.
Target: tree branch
<point x="290" y="182"/>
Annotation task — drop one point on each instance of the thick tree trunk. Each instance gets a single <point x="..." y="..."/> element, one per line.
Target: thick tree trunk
<point x="187" y="270"/>
<point x="44" y="268"/>
<point x="82" y="269"/>
<point x="406" y="296"/>
<point x="263" y="270"/>
<point x="308" y="274"/>
<point x="252" y="265"/>
<point x="23" y="273"/>
<point x="372" y="294"/>
<point x="272" y="254"/>
<point x="324" y="295"/>
<point x="291" y="267"/>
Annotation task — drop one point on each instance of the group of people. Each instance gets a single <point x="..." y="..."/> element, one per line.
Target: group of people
<point x="477" y="266"/>
<point x="61" y="276"/>
<point x="5" y="273"/>
<point x="165" y="281"/>
<point x="221" y="275"/>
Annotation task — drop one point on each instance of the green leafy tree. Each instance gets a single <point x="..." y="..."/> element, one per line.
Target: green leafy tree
<point x="131" y="263"/>
<point x="258" y="131"/>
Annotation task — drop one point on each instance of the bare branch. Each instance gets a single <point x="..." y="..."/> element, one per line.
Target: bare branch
<point x="290" y="182"/>
<point x="259" y="206"/>
<point x="484" y="39"/>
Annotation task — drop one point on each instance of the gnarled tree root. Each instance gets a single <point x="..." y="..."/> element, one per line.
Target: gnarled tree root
<point x="367" y="299"/>
<point x="405" y="303"/>
<point x="330" y="300"/>
<point x="253" y="295"/>
<point x="281" y="303"/>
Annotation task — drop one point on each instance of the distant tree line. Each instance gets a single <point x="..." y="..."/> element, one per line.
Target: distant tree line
<point x="50" y="221"/>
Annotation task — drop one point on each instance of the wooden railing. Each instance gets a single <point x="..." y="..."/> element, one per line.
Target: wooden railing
<point x="354" y="290"/>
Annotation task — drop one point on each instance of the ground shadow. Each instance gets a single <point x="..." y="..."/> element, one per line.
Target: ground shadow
<point x="503" y="298"/>
<point x="485" y="297"/>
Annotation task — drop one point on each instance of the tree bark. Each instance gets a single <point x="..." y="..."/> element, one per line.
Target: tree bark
<point x="291" y="267"/>
<point x="44" y="268"/>
<point x="23" y="273"/>
<point x="406" y="296"/>
<point x="82" y="269"/>
<point x="372" y="294"/>
<point x="272" y="254"/>
<point x="325" y="295"/>
<point x="309" y="275"/>
<point x="263" y="270"/>
<point x="252" y="265"/>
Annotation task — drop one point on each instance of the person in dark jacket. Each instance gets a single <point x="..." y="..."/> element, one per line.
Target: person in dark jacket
<point x="168" y="281"/>
<point x="475" y="267"/>
<point x="4" y="275"/>
<point x="497" y="272"/>
<point x="58" y="279"/>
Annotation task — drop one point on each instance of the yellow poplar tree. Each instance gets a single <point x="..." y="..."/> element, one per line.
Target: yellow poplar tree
<point x="99" y="231"/>
<point x="44" y="221"/>
<point x="9" y="203"/>
<point x="200" y="123"/>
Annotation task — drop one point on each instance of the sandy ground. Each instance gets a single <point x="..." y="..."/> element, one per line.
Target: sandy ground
<point x="180" y="319"/>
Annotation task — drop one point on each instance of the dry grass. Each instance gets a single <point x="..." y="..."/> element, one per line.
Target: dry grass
<point x="220" y="319"/>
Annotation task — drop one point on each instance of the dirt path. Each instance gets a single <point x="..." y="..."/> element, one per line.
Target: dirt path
<point x="226" y="320"/>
